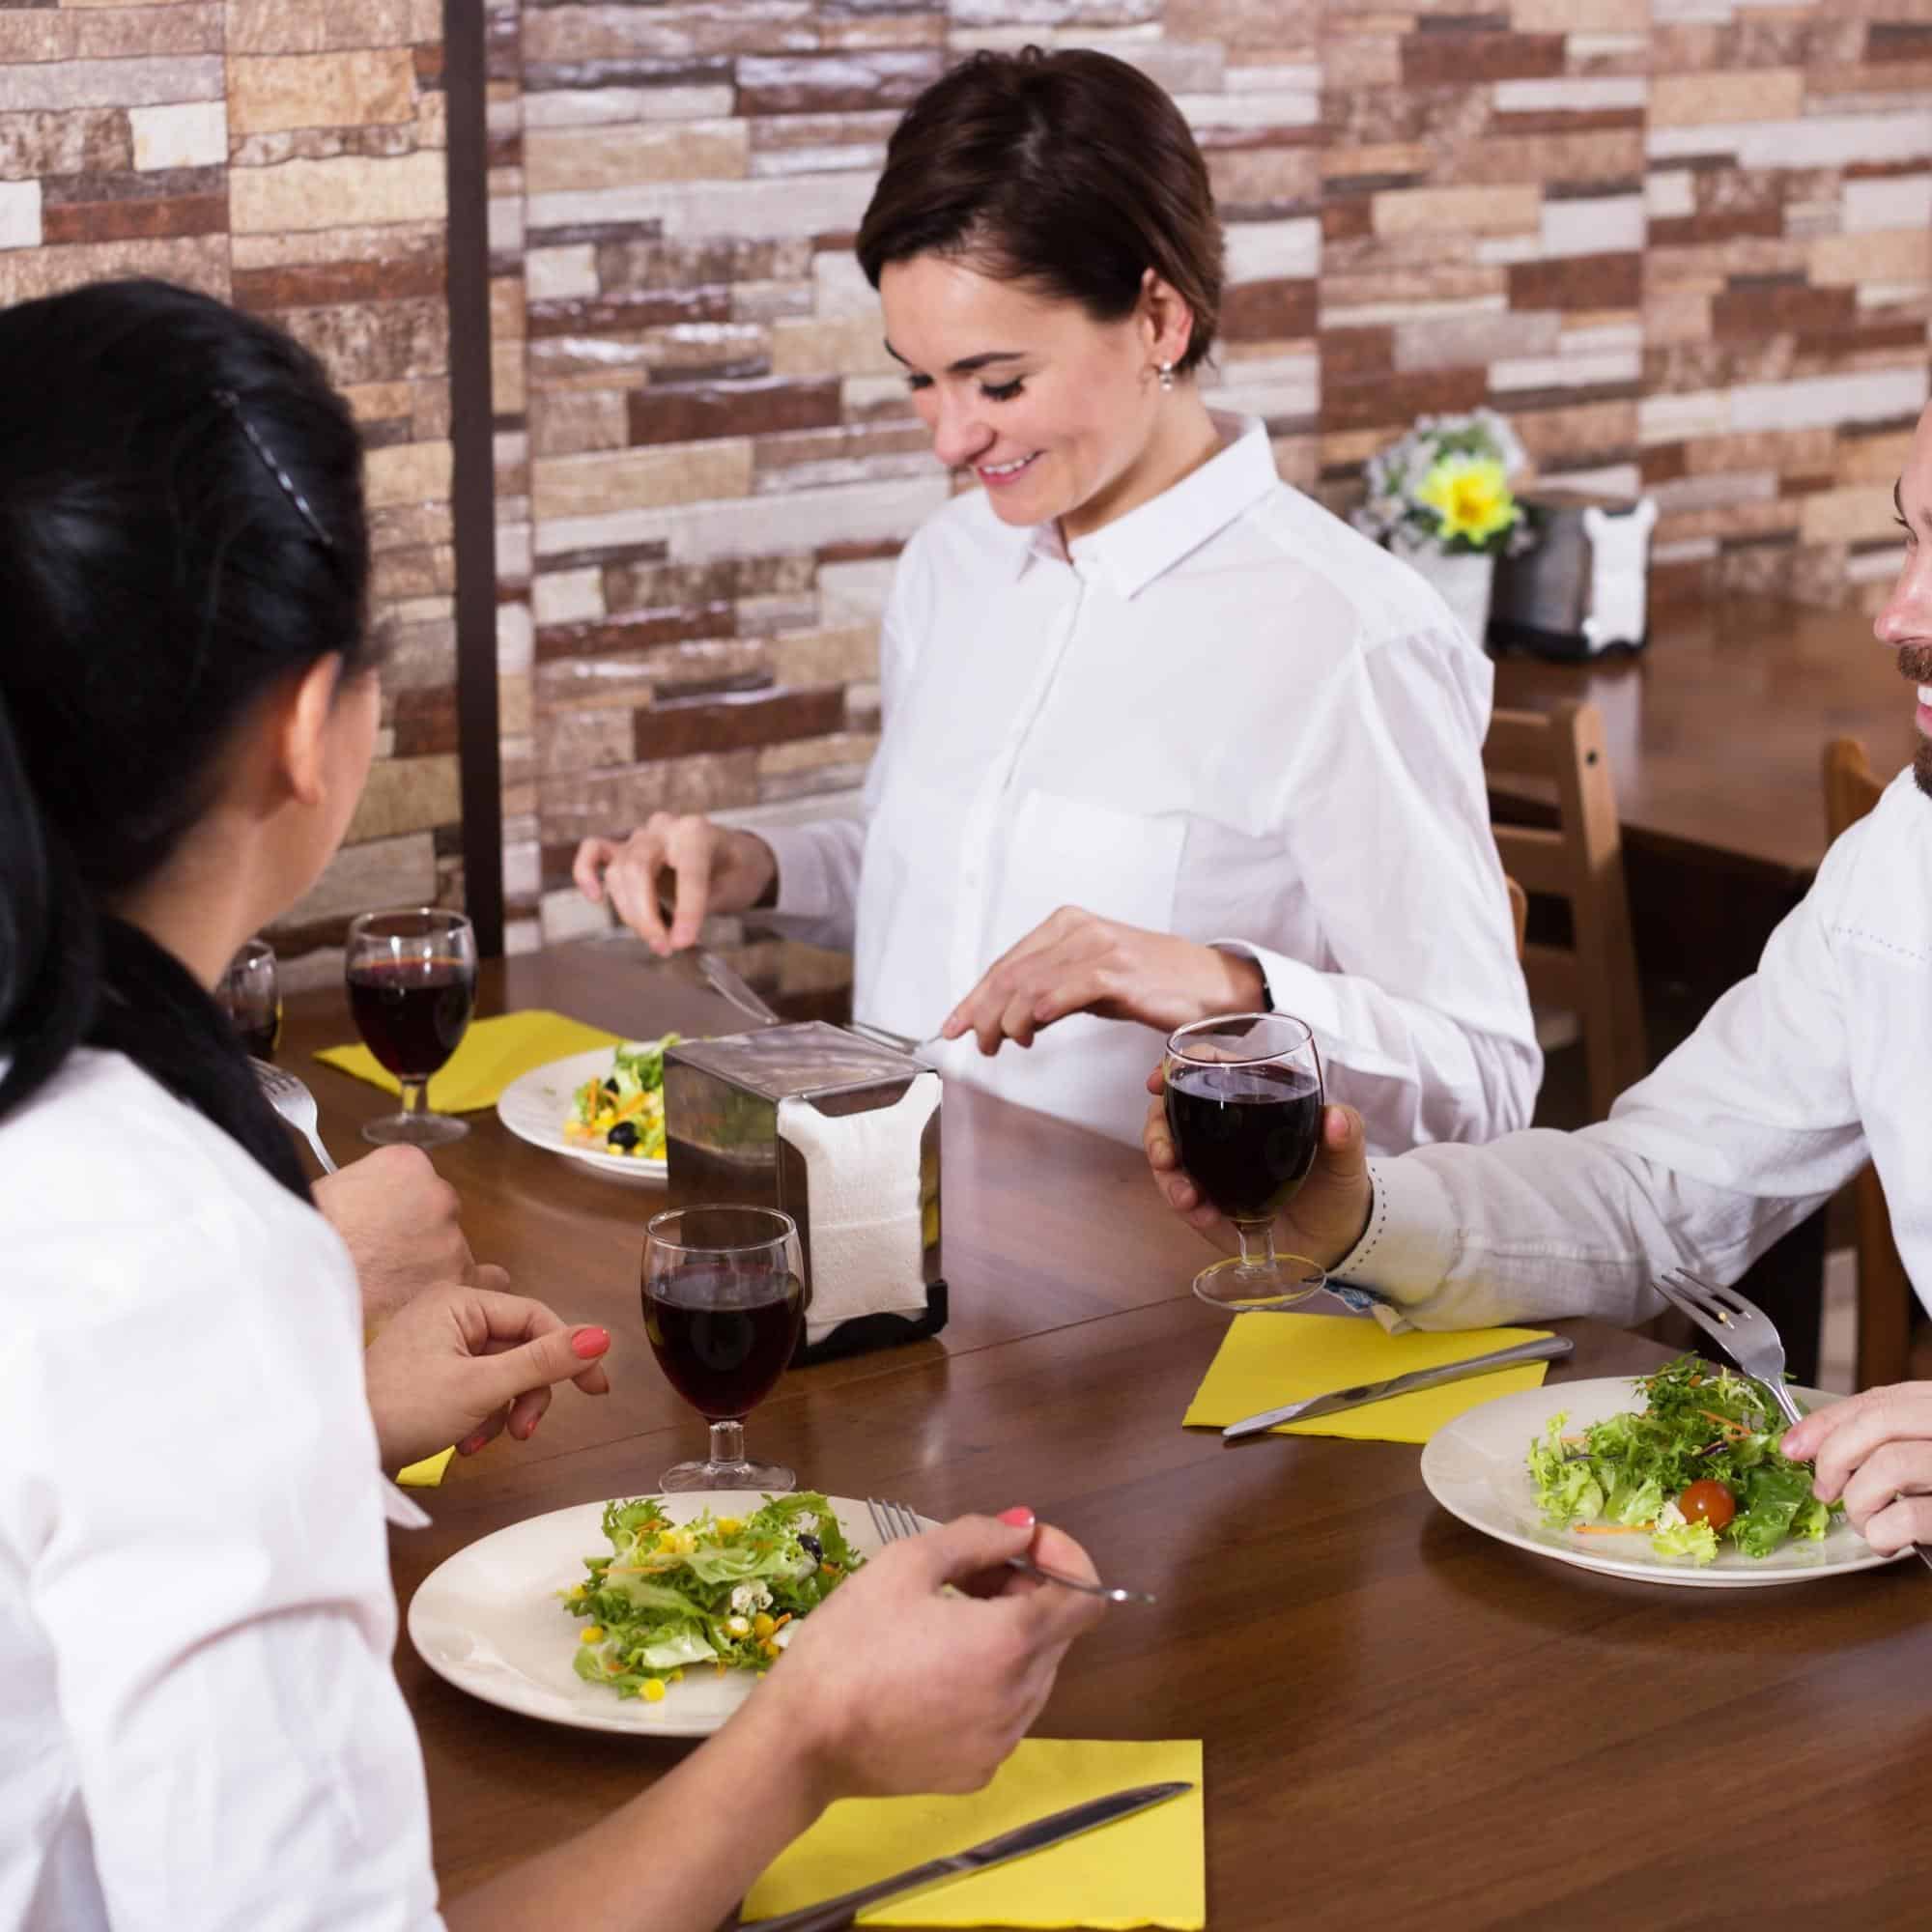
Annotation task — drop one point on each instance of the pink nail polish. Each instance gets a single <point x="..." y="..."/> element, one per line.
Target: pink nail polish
<point x="1019" y="1516"/>
<point x="590" y="1343"/>
<point x="469" y="1444"/>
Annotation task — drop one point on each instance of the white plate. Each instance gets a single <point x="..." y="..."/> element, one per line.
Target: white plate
<point x="490" y="1621"/>
<point x="535" y="1106"/>
<point x="1475" y="1468"/>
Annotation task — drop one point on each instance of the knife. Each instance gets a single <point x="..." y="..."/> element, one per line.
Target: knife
<point x="1552" y="1349"/>
<point x="837" y="1912"/>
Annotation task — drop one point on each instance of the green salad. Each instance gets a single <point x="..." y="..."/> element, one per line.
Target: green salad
<point x="621" y="1111"/>
<point x="1699" y="1465"/>
<point x="720" y="1590"/>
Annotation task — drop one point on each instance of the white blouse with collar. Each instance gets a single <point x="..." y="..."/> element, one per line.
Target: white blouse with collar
<point x="1226" y="716"/>
<point x="200" y="1724"/>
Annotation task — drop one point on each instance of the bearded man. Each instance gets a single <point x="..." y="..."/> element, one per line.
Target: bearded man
<point x="1799" y="1076"/>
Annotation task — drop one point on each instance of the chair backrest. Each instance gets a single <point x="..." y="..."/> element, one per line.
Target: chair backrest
<point x="1886" y="1300"/>
<point x="1518" y="913"/>
<point x="1579" y="861"/>
<point x="1851" y="786"/>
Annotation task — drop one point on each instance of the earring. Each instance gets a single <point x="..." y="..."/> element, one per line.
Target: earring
<point x="1167" y="375"/>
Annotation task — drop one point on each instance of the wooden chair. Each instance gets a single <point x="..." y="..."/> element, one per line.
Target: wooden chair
<point x="1886" y="1298"/>
<point x="1518" y="913"/>
<point x="1579" y="861"/>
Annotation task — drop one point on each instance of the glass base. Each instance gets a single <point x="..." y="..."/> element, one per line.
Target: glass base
<point x="772" y="1476"/>
<point x="1249" y="1287"/>
<point x="423" y="1130"/>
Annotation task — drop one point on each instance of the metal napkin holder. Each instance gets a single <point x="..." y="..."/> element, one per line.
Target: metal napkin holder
<point x="722" y="1144"/>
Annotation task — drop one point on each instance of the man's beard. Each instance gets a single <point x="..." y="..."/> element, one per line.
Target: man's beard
<point x="1915" y="660"/>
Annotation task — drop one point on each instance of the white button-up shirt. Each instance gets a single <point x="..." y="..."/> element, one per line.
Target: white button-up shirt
<point x="199" y="1724"/>
<point x="1225" y="714"/>
<point x="1797" y="1075"/>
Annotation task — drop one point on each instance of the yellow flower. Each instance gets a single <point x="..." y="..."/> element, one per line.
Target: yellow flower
<point x="1470" y="496"/>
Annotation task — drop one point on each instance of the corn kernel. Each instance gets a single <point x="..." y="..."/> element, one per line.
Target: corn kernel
<point x="653" y="1692"/>
<point x="590" y="1634"/>
<point x="762" y="1625"/>
<point x="728" y="1525"/>
<point x="737" y="1627"/>
<point x="576" y="1595"/>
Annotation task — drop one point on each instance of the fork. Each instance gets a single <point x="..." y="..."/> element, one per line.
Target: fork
<point x="1745" y="1333"/>
<point x="899" y="1042"/>
<point x="295" y="1103"/>
<point x="893" y="1521"/>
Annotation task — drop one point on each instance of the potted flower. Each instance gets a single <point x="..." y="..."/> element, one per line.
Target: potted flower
<point x="1441" y="498"/>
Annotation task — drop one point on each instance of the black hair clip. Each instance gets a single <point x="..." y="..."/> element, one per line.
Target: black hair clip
<point x="231" y="403"/>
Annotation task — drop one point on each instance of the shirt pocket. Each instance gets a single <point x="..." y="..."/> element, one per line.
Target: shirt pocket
<point x="1117" y="865"/>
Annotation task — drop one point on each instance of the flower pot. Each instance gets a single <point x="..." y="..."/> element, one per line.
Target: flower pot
<point x="1464" y="583"/>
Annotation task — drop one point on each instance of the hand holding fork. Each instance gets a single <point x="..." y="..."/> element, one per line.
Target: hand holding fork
<point x="1875" y="1449"/>
<point x="895" y="1521"/>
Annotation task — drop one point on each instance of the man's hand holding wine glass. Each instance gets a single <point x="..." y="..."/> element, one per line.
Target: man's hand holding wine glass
<point x="1326" y="1219"/>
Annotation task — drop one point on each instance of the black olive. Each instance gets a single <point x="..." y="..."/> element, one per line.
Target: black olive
<point x="812" y="1547"/>
<point x="611" y="1088"/>
<point x="624" y="1135"/>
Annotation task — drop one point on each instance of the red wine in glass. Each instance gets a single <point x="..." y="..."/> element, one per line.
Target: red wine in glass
<point x="412" y="1013"/>
<point x="411" y="980"/>
<point x="722" y="1359"/>
<point x="724" y="1297"/>
<point x="1244" y="1105"/>
<point x="260" y="1040"/>
<point x="1246" y="1135"/>
<point x="249" y="995"/>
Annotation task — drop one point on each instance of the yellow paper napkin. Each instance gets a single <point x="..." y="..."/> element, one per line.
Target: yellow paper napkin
<point x="1150" y="1869"/>
<point x="428" y="1473"/>
<point x="1267" y="1360"/>
<point x="493" y="1053"/>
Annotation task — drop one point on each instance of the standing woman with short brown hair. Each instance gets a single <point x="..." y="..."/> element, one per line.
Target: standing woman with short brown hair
<point x="1163" y="738"/>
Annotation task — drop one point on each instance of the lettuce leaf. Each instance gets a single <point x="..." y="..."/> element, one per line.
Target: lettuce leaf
<point x="1698" y="1541"/>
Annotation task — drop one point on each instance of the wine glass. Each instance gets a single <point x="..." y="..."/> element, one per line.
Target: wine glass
<point x="250" y="996"/>
<point x="1244" y="1106"/>
<point x="723" y="1293"/>
<point x="412" y="976"/>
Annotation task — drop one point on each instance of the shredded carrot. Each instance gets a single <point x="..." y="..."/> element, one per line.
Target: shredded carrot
<point x="1614" y="1529"/>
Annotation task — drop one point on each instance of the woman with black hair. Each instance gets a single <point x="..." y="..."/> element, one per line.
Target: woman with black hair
<point x="200" y="1725"/>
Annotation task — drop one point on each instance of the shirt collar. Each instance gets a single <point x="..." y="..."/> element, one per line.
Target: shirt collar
<point x="1149" y="540"/>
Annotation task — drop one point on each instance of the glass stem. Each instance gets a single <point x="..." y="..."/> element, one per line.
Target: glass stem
<point x="728" y="1442"/>
<point x="1257" y="1244"/>
<point x="415" y="1098"/>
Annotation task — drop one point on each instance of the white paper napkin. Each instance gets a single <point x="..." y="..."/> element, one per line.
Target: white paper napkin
<point x="861" y="1204"/>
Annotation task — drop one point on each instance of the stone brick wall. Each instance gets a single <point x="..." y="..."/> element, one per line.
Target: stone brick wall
<point x="286" y="155"/>
<point x="1684" y="245"/>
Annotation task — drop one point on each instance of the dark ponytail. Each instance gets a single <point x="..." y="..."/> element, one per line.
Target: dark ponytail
<point x="181" y="530"/>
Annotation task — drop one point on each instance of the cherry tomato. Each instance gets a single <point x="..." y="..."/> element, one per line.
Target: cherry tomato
<point x="1709" y="1502"/>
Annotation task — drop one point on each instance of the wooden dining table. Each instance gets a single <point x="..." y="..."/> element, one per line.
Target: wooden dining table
<point x="1715" y="731"/>
<point x="1406" y="1722"/>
